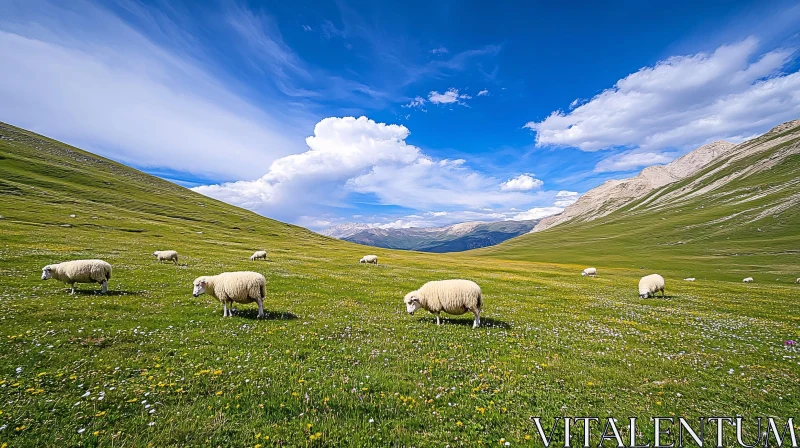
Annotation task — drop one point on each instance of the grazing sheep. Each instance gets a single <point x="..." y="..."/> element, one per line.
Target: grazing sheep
<point x="451" y="296"/>
<point x="79" y="271"/>
<point x="229" y="287"/>
<point x="259" y="255"/>
<point x="166" y="255"/>
<point x="369" y="259"/>
<point x="591" y="272"/>
<point x="748" y="280"/>
<point x="689" y="279"/>
<point x="797" y="281"/>
<point x="650" y="284"/>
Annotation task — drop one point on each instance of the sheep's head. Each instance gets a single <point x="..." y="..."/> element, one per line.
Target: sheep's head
<point x="199" y="286"/>
<point x="412" y="302"/>
<point x="583" y="274"/>
<point x="47" y="272"/>
<point x="362" y="260"/>
<point x="644" y="294"/>
<point x="155" y="254"/>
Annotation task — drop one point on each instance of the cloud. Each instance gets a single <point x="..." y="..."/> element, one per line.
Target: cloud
<point x="329" y="30"/>
<point x="537" y="213"/>
<point x="523" y="182"/>
<point x="81" y="75"/>
<point x="682" y="102"/>
<point x="417" y="102"/>
<point x="440" y="50"/>
<point x="566" y="198"/>
<point x="307" y="28"/>
<point x="631" y="160"/>
<point x="357" y="156"/>
<point x="483" y="92"/>
<point x="449" y="97"/>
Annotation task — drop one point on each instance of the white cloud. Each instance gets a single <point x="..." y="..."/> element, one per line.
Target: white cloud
<point x="417" y="102"/>
<point x="683" y="102"/>
<point x="449" y="97"/>
<point x="523" y="182"/>
<point x="307" y="28"/>
<point x="483" y="92"/>
<point x="537" y="213"/>
<point x="81" y="75"/>
<point x="349" y="156"/>
<point x="631" y="160"/>
<point x="440" y="50"/>
<point x="565" y="198"/>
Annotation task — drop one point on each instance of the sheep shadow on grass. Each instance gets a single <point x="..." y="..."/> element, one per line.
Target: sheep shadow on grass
<point x="252" y="313"/>
<point x="486" y="322"/>
<point x="96" y="292"/>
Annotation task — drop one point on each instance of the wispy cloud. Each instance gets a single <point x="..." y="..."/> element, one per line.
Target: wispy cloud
<point x="440" y="50"/>
<point x="82" y="75"/>
<point x="483" y="92"/>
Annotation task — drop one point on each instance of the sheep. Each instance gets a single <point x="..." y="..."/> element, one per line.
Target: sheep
<point x="689" y="279"/>
<point x="591" y="272"/>
<point x="369" y="259"/>
<point x="650" y="284"/>
<point x="229" y="287"/>
<point x="165" y="255"/>
<point x="748" y="280"/>
<point x="79" y="271"/>
<point x="797" y="281"/>
<point x="259" y="255"/>
<point x="451" y="296"/>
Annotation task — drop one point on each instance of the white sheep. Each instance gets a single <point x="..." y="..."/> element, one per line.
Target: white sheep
<point x="591" y="272"/>
<point x="748" y="280"/>
<point x="650" y="284"/>
<point x="166" y="255"/>
<point x="451" y="296"/>
<point x="797" y="281"/>
<point x="369" y="259"/>
<point x="229" y="287"/>
<point x="259" y="255"/>
<point x="689" y="279"/>
<point x="79" y="271"/>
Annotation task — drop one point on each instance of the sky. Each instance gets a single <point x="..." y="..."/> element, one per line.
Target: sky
<point x="397" y="114"/>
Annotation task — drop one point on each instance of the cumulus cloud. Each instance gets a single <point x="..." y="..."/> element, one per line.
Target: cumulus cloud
<point x="417" y="102"/>
<point x="449" y="97"/>
<point x="524" y="182"/>
<point x="483" y="92"/>
<point x="682" y="102"/>
<point x="537" y="213"/>
<point x="631" y="160"/>
<point x="348" y="156"/>
<point x="565" y="198"/>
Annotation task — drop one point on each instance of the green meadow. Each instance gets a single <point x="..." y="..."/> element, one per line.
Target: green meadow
<point x="337" y="361"/>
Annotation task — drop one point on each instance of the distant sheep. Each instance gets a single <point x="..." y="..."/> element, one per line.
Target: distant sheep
<point x="451" y="296"/>
<point x="689" y="279"/>
<point x="748" y="280"/>
<point x="591" y="272"/>
<point x="229" y="287"/>
<point x="79" y="271"/>
<point x="259" y="255"/>
<point x="166" y="255"/>
<point x="797" y="281"/>
<point x="651" y="284"/>
<point x="369" y="259"/>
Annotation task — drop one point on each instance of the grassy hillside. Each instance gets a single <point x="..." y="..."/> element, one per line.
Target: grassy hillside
<point x="338" y="362"/>
<point x="747" y="225"/>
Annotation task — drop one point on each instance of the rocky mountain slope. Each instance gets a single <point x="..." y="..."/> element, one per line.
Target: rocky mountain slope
<point x="454" y="238"/>
<point x="615" y="194"/>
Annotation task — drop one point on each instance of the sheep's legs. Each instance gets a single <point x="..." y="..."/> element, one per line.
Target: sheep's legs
<point x="260" y="308"/>
<point x="224" y="308"/>
<point x="662" y="294"/>
<point x="438" y="322"/>
<point x="104" y="287"/>
<point x="477" y="322"/>
<point x="72" y="289"/>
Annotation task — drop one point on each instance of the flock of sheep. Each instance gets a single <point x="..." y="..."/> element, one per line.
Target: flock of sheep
<point x="455" y="297"/>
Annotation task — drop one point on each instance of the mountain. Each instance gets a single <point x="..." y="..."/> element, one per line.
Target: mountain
<point x="454" y="238"/>
<point x="614" y="194"/>
<point x="736" y="215"/>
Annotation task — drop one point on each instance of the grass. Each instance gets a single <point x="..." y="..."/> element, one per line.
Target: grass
<point x="337" y="361"/>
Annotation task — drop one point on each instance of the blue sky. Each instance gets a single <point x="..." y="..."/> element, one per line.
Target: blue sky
<point x="397" y="114"/>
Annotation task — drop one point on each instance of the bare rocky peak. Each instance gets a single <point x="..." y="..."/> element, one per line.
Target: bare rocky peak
<point x="613" y="194"/>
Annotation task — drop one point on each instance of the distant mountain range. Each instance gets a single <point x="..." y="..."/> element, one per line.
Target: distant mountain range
<point x="454" y="238"/>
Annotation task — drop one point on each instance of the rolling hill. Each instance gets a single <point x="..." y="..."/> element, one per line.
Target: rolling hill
<point x="454" y="238"/>
<point x="338" y="361"/>
<point x="736" y="216"/>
